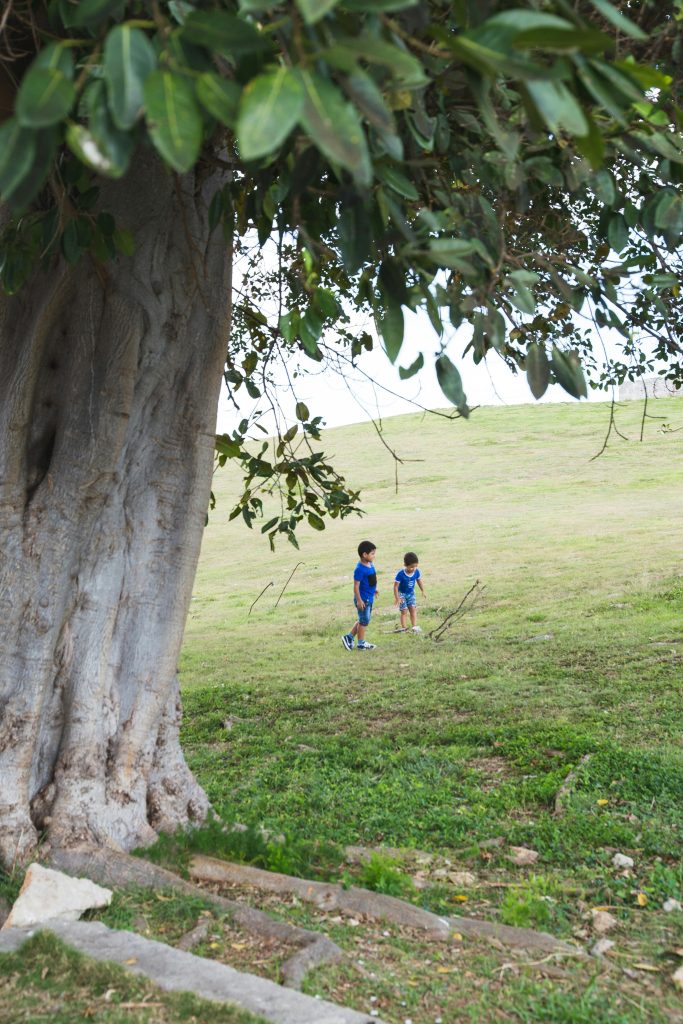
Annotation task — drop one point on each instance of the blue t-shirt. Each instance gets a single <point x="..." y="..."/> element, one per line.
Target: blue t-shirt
<point x="406" y="583"/>
<point x="366" y="575"/>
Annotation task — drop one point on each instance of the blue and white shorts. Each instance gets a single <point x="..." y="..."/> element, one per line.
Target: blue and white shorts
<point x="364" y="613"/>
<point x="406" y="601"/>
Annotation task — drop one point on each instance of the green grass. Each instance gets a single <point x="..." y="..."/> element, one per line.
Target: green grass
<point x="575" y="648"/>
<point x="45" y="981"/>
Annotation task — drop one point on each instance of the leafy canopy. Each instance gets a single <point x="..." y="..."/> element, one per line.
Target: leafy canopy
<point x="515" y="166"/>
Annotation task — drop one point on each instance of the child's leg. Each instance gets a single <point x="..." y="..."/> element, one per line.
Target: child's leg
<point x="360" y="631"/>
<point x="413" y="614"/>
<point x="402" y="611"/>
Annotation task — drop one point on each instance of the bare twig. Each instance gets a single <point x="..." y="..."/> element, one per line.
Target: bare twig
<point x="259" y="597"/>
<point x="477" y="589"/>
<point x="287" y="583"/>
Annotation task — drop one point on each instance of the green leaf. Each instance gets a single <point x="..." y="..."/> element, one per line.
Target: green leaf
<point x="411" y="370"/>
<point x="289" y="325"/>
<point x="124" y="241"/>
<point x="17" y="154"/>
<point x="220" y="96"/>
<point x="522" y="296"/>
<point x="315" y="521"/>
<point x="452" y="252"/>
<point x="566" y="367"/>
<point x="302" y="412"/>
<point x="617" y="232"/>
<point x="404" y="68"/>
<point x="42" y="148"/>
<point x="537" y="370"/>
<point x="397" y="181"/>
<point x="128" y="60"/>
<point x="616" y="18"/>
<point x="355" y="236"/>
<point x="55" y="55"/>
<point x="334" y="126"/>
<point x="314" y="10"/>
<point x="173" y="119"/>
<point x="326" y="304"/>
<point x="89" y="151"/>
<point x="89" y="13"/>
<point x="116" y="143"/>
<point x="270" y="107"/>
<point x="368" y="98"/>
<point x="225" y="33"/>
<point x="450" y="383"/>
<point x="372" y="6"/>
<point x="391" y="326"/>
<point x="45" y="97"/>
<point x="558" y="107"/>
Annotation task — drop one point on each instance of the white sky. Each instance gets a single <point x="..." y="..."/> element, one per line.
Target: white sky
<point x="361" y="395"/>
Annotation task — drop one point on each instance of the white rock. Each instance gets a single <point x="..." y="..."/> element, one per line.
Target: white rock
<point x="603" y="921"/>
<point x="620" y="860"/>
<point x="464" y="879"/>
<point x="521" y="856"/>
<point x="671" y="904"/>
<point x="601" y="947"/>
<point x="677" y="978"/>
<point x="48" y="895"/>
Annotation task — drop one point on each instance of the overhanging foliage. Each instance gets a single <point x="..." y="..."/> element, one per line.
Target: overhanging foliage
<point x="512" y="165"/>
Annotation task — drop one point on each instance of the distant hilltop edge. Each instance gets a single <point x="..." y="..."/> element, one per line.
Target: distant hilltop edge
<point x="650" y="387"/>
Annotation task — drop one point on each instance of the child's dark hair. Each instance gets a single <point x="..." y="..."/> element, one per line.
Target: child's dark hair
<point x="410" y="558"/>
<point x="365" y="547"/>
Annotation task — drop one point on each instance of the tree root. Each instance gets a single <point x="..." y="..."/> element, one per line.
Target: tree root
<point x="332" y="896"/>
<point x="567" y="785"/>
<point x="324" y="895"/>
<point x="111" y="867"/>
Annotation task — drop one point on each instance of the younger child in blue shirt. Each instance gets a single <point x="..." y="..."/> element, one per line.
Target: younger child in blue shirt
<point x="404" y="590"/>
<point x="364" y="593"/>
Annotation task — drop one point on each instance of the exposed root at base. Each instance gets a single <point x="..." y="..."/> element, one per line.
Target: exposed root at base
<point x="332" y="896"/>
<point x="111" y="867"/>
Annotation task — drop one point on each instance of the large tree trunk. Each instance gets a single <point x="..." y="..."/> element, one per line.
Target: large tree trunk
<point x="109" y="380"/>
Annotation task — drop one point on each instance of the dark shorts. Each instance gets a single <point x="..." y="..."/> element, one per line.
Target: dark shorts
<point x="365" y="613"/>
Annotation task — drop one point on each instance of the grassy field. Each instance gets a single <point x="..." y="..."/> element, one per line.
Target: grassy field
<point x="574" y="648"/>
<point x="567" y="671"/>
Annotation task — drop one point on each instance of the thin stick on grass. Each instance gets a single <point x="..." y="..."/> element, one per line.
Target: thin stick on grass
<point x="462" y="609"/>
<point x="287" y="583"/>
<point x="259" y="597"/>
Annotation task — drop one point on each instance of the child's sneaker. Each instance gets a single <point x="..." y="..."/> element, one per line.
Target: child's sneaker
<point x="416" y="629"/>
<point x="347" y="640"/>
<point x="366" y="647"/>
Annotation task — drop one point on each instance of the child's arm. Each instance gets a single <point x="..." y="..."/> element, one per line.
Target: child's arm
<point x="424" y="592"/>
<point x="356" y="594"/>
<point x="395" y="592"/>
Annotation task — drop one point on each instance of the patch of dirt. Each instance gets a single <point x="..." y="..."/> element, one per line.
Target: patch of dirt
<point x="495" y="769"/>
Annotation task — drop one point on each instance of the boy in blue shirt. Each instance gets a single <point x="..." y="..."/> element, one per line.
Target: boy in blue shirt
<point x="364" y="593"/>
<point x="404" y="590"/>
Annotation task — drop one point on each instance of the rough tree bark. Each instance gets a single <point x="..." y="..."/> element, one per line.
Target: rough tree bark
<point x="109" y="380"/>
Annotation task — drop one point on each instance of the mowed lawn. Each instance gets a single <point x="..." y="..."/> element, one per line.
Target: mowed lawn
<point x="566" y="672"/>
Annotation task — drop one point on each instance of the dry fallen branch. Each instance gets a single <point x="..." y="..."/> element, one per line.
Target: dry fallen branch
<point x="109" y="867"/>
<point x="332" y="896"/>
<point x="567" y="785"/>
<point x="463" y="608"/>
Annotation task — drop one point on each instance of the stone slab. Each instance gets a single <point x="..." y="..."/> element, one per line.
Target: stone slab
<point x="177" y="971"/>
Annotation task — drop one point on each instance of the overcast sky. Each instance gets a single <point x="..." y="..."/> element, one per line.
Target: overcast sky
<point x="375" y="389"/>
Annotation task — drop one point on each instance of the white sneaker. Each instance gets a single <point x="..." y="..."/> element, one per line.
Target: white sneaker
<point x="416" y="629"/>
<point x="365" y="647"/>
